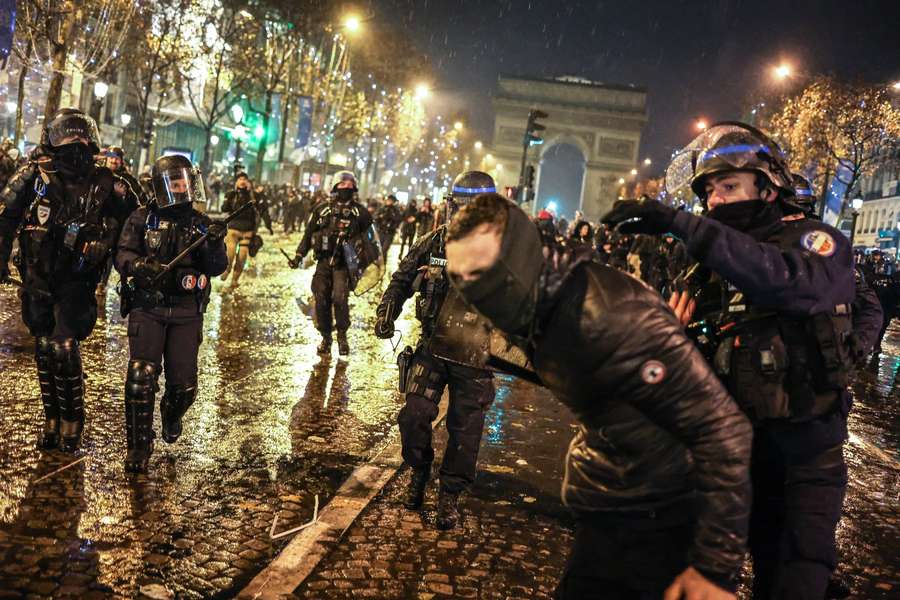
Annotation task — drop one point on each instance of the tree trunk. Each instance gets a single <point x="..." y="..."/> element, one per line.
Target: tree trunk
<point x="207" y="147"/>
<point x="263" y="143"/>
<point x="59" y="57"/>
<point x="20" y="98"/>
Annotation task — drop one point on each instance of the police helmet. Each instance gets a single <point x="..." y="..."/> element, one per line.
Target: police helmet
<point x="70" y="125"/>
<point x="804" y="196"/>
<point x="729" y="146"/>
<point x="175" y="180"/>
<point x="344" y="176"/>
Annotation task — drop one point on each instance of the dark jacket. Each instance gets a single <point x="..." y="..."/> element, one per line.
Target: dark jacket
<point x="657" y="427"/>
<point x="329" y="223"/>
<point x="247" y="220"/>
<point x="388" y="219"/>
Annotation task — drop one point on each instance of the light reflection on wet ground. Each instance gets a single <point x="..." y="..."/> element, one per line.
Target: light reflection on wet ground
<point x="274" y="425"/>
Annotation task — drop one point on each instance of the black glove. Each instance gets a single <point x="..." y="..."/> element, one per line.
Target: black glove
<point x="295" y="262"/>
<point x="652" y="216"/>
<point x="95" y="251"/>
<point x="384" y="329"/>
<point x="145" y="270"/>
<point x="216" y="230"/>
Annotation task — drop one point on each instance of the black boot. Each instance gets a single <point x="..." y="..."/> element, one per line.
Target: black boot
<point x="173" y="406"/>
<point x="140" y="394"/>
<point x="448" y="510"/>
<point x="415" y="493"/>
<point x="43" y="358"/>
<point x="324" y="345"/>
<point x="68" y="380"/>
<point x="343" y="344"/>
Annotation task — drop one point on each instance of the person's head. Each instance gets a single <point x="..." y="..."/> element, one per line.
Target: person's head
<point x="260" y="189"/>
<point x="426" y="203"/>
<point x="176" y="182"/>
<point x="465" y="188"/>
<point x="391" y="200"/>
<point x="731" y="162"/>
<point x="804" y="195"/>
<point x="115" y="158"/>
<point x="72" y="139"/>
<point x="242" y="182"/>
<point x="344" y="187"/>
<point x="494" y="259"/>
<point x="584" y="230"/>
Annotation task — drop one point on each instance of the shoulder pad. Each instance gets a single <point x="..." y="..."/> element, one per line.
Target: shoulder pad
<point x="21" y="178"/>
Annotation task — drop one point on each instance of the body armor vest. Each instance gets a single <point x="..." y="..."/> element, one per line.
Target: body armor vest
<point x="776" y="365"/>
<point x="337" y="222"/>
<point x="62" y="217"/>
<point x="165" y="237"/>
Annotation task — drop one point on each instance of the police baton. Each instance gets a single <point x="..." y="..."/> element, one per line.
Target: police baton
<point x="181" y="256"/>
<point x="27" y="288"/>
<point x="287" y="256"/>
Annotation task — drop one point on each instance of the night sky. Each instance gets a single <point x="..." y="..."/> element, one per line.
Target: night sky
<point x="694" y="58"/>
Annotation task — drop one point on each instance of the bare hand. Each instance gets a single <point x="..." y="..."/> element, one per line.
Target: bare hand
<point x="683" y="306"/>
<point x="691" y="585"/>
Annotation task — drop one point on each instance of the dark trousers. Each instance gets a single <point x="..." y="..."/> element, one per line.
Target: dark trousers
<point x="170" y="336"/>
<point x="267" y="219"/>
<point x="407" y="239"/>
<point x="633" y="557"/>
<point x="387" y="238"/>
<point x="471" y="393"/>
<point x="798" y="491"/>
<point x="331" y="289"/>
<point x="70" y="314"/>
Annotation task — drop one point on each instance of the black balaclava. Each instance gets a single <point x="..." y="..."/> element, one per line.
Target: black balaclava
<point x="73" y="159"/>
<point x="507" y="293"/>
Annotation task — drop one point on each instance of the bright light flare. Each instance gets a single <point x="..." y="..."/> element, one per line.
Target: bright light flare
<point x="100" y="89"/>
<point x="701" y="124"/>
<point x="634" y="171"/>
<point x="422" y="91"/>
<point x="458" y="126"/>
<point x="352" y="23"/>
<point x="479" y="146"/>
<point x="782" y="71"/>
<point x="648" y="162"/>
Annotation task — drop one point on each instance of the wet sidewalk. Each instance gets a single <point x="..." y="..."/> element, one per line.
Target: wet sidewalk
<point x="515" y="533"/>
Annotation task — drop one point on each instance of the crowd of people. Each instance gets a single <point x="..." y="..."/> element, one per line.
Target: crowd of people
<point x="712" y="398"/>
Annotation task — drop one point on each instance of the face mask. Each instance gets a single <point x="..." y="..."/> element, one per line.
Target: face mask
<point x="344" y="194"/>
<point x="746" y="215"/>
<point x="75" y="158"/>
<point x="507" y="293"/>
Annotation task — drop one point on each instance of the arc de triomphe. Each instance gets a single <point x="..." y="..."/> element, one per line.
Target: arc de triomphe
<point x="603" y="121"/>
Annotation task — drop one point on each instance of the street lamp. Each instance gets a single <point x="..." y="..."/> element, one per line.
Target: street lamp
<point x="633" y="171"/>
<point x="458" y="126"/>
<point x="479" y="146"/>
<point x="856" y="204"/>
<point x="647" y="162"/>
<point x="701" y="124"/>
<point x="214" y="140"/>
<point x="10" y="106"/>
<point x="125" y="118"/>
<point x="100" y="90"/>
<point x="782" y="71"/>
<point x="422" y="91"/>
<point x="352" y="23"/>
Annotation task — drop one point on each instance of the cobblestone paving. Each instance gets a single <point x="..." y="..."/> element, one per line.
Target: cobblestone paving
<point x="273" y="427"/>
<point x="515" y="534"/>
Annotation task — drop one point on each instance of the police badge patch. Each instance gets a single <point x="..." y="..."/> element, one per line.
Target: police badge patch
<point x="653" y="372"/>
<point x="188" y="282"/>
<point x="202" y="281"/>
<point x="43" y="213"/>
<point x="819" y="242"/>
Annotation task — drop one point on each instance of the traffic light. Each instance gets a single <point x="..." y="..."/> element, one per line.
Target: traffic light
<point x="529" y="177"/>
<point x="148" y="133"/>
<point x="512" y="192"/>
<point x="533" y="128"/>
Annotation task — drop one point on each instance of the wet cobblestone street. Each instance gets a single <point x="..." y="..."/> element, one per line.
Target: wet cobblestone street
<point x="275" y="425"/>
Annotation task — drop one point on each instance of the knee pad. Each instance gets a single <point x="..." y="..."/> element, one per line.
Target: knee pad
<point x="66" y="357"/>
<point x="141" y="380"/>
<point x="179" y="398"/>
<point x="43" y="354"/>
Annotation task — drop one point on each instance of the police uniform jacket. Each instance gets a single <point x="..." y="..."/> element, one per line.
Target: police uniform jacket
<point x="329" y="223"/>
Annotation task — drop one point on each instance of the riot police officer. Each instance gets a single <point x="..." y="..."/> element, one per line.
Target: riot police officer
<point x="387" y="220"/>
<point x="779" y="338"/>
<point x="882" y="276"/>
<point x="165" y="306"/>
<point x="429" y="370"/>
<point x="331" y="225"/>
<point x="63" y="209"/>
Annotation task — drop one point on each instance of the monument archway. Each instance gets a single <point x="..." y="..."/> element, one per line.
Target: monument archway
<point x="560" y="176"/>
<point x="604" y="121"/>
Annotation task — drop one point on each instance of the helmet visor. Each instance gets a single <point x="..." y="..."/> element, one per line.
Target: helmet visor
<point x="719" y="146"/>
<point x="68" y="129"/>
<point x="179" y="185"/>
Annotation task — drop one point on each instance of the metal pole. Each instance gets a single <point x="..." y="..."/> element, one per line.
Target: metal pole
<point x="853" y="227"/>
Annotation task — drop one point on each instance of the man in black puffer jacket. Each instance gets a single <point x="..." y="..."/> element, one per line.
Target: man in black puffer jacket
<point x="657" y="474"/>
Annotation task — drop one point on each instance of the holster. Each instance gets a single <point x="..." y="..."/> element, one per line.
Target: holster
<point x="404" y="360"/>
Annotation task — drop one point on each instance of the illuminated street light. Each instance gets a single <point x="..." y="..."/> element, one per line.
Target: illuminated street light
<point x="125" y="118"/>
<point x="458" y="126"/>
<point x="100" y="89"/>
<point x="10" y="107"/>
<point x="422" y="91"/>
<point x="214" y="140"/>
<point x="621" y="180"/>
<point x="634" y="171"/>
<point x="499" y="167"/>
<point x="237" y="113"/>
<point x="352" y="23"/>
<point x="488" y="157"/>
<point x="479" y="145"/>
<point x="648" y="162"/>
<point x="782" y="71"/>
<point x="896" y="86"/>
<point x="701" y="124"/>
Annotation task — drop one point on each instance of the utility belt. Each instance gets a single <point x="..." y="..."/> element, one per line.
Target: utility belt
<point x="181" y="288"/>
<point x="781" y="367"/>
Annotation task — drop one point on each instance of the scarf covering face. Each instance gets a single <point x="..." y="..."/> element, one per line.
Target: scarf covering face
<point x="506" y="294"/>
<point x="748" y="215"/>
